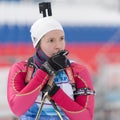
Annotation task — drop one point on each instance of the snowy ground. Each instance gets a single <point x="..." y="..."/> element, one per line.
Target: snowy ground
<point x="4" y="108"/>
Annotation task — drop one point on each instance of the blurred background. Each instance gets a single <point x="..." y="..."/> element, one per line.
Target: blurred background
<point x="92" y="29"/>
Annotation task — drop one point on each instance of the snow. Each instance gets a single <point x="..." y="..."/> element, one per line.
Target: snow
<point x="70" y="14"/>
<point x="4" y="107"/>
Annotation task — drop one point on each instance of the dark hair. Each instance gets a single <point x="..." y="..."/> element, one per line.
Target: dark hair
<point x="38" y="46"/>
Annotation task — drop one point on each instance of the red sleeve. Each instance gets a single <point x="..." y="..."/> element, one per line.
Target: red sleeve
<point x="21" y="96"/>
<point x="83" y="107"/>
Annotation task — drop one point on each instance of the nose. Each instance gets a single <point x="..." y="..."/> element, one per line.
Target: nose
<point x="58" y="46"/>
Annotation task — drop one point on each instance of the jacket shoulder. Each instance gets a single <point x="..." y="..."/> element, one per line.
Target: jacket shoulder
<point x="77" y="66"/>
<point x="19" y="66"/>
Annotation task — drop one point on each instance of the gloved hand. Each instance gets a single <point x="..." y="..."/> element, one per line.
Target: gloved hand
<point x="51" y="89"/>
<point x="57" y="62"/>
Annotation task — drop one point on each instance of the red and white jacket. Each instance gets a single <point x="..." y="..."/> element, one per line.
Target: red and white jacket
<point x="21" y="96"/>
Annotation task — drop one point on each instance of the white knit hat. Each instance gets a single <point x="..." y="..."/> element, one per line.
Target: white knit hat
<point x="42" y="26"/>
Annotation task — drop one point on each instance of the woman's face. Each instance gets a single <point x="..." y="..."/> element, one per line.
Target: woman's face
<point x="52" y="42"/>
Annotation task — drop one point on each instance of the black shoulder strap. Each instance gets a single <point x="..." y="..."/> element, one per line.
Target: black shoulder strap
<point x="30" y="70"/>
<point x="30" y="60"/>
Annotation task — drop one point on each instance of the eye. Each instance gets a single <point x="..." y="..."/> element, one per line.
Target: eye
<point x="62" y="38"/>
<point x="51" y="40"/>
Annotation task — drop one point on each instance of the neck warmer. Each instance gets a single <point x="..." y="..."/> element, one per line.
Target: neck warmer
<point x="39" y="57"/>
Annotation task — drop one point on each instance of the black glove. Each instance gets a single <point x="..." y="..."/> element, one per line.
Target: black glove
<point x="51" y="89"/>
<point x="57" y="62"/>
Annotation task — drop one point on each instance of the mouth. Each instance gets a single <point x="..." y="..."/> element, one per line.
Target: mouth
<point x="57" y="52"/>
<point x="54" y="54"/>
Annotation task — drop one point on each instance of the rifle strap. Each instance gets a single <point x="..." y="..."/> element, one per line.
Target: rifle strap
<point x="71" y="78"/>
<point x="30" y="70"/>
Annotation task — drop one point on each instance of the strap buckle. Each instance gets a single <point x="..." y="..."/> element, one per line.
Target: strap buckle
<point x="84" y="91"/>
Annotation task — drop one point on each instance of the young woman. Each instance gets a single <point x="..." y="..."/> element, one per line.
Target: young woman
<point x="71" y="89"/>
